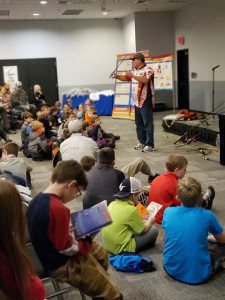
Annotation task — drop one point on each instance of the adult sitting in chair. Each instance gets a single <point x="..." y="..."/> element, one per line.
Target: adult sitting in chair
<point x="19" y="99"/>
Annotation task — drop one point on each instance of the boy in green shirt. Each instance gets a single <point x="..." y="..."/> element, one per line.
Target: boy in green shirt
<point x="128" y="232"/>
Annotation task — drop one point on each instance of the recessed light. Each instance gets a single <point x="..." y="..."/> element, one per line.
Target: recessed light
<point x="36" y="14"/>
<point x="43" y="2"/>
<point x="105" y="13"/>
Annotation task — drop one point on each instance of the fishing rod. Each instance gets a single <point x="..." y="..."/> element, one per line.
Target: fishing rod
<point x="113" y="72"/>
<point x="185" y="135"/>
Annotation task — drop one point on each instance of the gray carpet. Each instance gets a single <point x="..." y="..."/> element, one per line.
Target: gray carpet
<point x="156" y="285"/>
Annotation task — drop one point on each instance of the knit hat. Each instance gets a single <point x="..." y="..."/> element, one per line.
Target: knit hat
<point x="74" y="125"/>
<point x="130" y="185"/>
<point x="36" y="126"/>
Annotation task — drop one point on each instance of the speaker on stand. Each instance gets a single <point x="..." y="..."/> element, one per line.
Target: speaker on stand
<point x="222" y="139"/>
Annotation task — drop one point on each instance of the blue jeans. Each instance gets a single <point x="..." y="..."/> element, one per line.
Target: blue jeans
<point x="144" y="125"/>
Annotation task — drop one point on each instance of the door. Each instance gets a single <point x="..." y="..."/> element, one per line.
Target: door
<point x="183" y="79"/>
<point x="42" y="71"/>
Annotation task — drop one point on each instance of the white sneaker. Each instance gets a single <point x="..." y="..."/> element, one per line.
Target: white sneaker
<point x="139" y="146"/>
<point x="148" y="149"/>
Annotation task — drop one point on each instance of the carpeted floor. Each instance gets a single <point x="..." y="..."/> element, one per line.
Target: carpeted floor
<point x="156" y="285"/>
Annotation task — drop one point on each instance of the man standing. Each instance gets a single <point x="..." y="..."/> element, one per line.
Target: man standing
<point x="142" y="78"/>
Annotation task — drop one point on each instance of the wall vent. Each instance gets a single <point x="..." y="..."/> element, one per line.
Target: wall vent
<point x="72" y="12"/>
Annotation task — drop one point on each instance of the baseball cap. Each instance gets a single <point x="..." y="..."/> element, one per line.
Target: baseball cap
<point x="130" y="185"/>
<point x="74" y="125"/>
<point x="19" y="83"/>
<point x="138" y="55"/>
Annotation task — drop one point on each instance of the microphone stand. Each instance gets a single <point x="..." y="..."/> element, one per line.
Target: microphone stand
<point x="213" y="91"/>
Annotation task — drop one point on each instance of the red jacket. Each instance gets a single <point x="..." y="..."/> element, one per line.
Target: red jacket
<point x="163" y="190"/>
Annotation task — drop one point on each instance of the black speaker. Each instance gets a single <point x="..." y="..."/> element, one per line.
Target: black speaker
<point x="222" y="139"/>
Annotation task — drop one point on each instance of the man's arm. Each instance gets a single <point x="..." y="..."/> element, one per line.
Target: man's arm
<point x="217" y="238"/>
<point x="140" y="79"/>
<point x="122" y="77"/>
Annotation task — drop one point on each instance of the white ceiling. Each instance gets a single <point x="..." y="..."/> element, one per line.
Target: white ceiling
<point x="91" y="9"/>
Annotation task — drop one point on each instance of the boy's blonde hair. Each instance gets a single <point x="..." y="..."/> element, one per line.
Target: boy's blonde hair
<point x="44" y="107"/>
<point x="35" y="125"/>
<point x="176" y="161"/>
<point x="40" y="115"/>
<point x="189" y="191"/>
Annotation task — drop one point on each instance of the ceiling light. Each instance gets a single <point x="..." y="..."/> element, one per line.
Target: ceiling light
<point x="43" y="2"/>
<point x="141" y="1"/>
<point x="103" y="8"/>
<point x="36" y="14"/>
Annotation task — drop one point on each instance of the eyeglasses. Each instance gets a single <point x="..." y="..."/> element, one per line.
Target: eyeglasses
<point x="79" y="191"/>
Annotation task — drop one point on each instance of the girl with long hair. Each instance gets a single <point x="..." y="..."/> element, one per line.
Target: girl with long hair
<point x="17" y="279"/>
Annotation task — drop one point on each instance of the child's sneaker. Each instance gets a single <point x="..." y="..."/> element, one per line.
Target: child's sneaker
<point x="142" y="198"/>
<point x="139" y="146"/>
<point x="208" y="198"/>
<point x="151" y="178"/>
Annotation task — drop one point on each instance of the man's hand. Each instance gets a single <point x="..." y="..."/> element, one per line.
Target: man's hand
<point x="112" y="75"/>
<point x="129" y="74"/>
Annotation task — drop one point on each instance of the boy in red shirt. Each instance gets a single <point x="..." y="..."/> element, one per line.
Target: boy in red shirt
<point x="80" y="262"/>
<point x="164" y="188"/>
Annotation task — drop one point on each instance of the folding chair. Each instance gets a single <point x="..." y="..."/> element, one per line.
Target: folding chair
<point x="45" y="278"/>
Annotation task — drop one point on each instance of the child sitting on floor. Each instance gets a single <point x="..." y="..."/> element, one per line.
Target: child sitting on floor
<point x="27" y="118"/>
<point x="102" y="138"/>
<point x="79" y="262"/>
<point x="36" y="144"/>
<point x="128" y="231"/>
<point x="14" y="164"/>
<point x="87" y="163"/>
<point x="187" y="254"/>
<point x="89" y="114"/>
<point x="63" y="131"/>
<point x="52" y="116"/>
<point x="163" y="188"/>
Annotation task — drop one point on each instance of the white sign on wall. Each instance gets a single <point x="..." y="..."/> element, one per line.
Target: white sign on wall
<point x="10" y="75"/>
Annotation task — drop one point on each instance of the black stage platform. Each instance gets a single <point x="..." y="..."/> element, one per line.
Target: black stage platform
<point x="206" y="131"/>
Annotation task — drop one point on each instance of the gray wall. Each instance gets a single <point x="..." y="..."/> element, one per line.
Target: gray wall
<point x="85" y="50"/>
<point x="155" y="32"/>
<point x="202" y="25"/>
